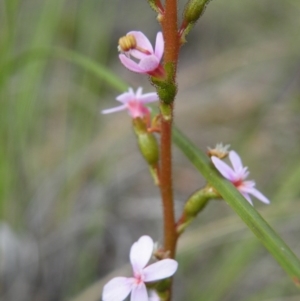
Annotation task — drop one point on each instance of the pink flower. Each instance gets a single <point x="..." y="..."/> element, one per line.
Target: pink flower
<point x="237" y="177"/>
<point x="134" y="103"/>
<point x="135" y="44"/>
<point x="119" y="288"/>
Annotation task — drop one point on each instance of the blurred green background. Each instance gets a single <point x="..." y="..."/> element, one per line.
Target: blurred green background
<point x="74" y="191"/>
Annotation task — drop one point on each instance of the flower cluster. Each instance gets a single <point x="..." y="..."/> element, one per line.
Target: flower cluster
<point x="141" y="251"/>
<point x="237" y="176"/>
<point x="137" y="55"/>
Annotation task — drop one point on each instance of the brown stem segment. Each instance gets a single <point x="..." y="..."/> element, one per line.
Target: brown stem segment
<point x="166" y="188"/>
<point x="169" y="26"/>
<point x="170" y="33"/>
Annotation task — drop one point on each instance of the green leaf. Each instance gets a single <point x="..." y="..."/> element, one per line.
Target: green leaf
<point x="271" y="240"/>
<point x="74" y="57"/>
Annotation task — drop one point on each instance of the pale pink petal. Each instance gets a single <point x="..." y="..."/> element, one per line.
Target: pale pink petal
<point x="235" y="161"/>
<point x="160" y="270"/>
<point x="130" y="64"/>
<point x="246" y="196"/>
<point x="153" y="296"/>
<point x="148" y="97"/>
<point x="117" y="289"/>
<point x="138" y="54"/>
<point x="141" y="40"/>
<point x="126" y="96"/>
<point x="137" y="109"/>
<point x="139" y="93"/>
<point x="149" y="63"/>
<point x="139" y="293"/>
<point x="224" y="169"/>
<point x="248" y="184"/>
<point x="113" y="110"/>
<point x="140" y="252"/>
<point x="159" y="46"/>
<point x="258" y="195"/>
<point x="244" y="173"/>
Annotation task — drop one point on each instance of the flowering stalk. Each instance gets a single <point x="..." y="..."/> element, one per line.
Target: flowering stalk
<point x="169" y="26"/>
<point x="170" y="33"/>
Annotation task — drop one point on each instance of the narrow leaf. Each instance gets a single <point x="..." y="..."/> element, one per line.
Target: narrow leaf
<point x="271" y="240"/>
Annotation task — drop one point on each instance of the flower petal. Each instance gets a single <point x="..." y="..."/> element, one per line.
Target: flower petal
<point x="126" y="96"/>
<point x="141" y="40"/>
<point x="247" y="184"/>
<point x="246" y="196"/>
<point x="139" y="92"/>
<point x="140" y="252"/>
<point x="149" y="63"/>
<point x="148" y="97"/>
<point x="159" y="46"/>
<point x="117" y="289"/>
<point x="258" y="195"/>
<point x="130" y="64"/>
<point x="235" y="161"/>
<point x="160" y="270"/>
<point x="139" y="293"/>
<point x="153" y="296"/>
<point x="137" y="109"/>
<point x="224" y="169"/>
<point x="113" y="110"/>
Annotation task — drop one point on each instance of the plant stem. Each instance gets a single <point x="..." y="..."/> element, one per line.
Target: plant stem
<point x="169" y="26"/>
<point x="170" y="33"/>
<point x="166" y="188"/>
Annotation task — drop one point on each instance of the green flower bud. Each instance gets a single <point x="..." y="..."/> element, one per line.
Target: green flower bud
<point x="198" y="200"/>
<point x="196" y="203"/>
<point x="149" y="148"/>
<point x="146" y="141"/>
<point x="153" y="5"/>
<point x="193" y="10"/>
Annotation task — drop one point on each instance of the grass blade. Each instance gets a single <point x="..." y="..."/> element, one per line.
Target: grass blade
<point x="271" y="240"/>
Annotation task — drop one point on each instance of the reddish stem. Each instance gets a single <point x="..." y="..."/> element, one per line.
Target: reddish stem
<point x="170" y="33"/>
<point x="169" y="26"/>
<point x="166" y="187"/>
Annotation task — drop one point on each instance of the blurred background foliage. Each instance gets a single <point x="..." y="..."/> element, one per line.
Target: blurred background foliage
<point x="74" y="191"/>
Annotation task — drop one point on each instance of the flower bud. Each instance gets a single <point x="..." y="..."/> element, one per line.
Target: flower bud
<point x="153" y="5"/>
<point x="220" y="151"/>
<point x="198" y="200"/>
<point x="193" y="10"/>
<point x="146" y="141"/>
<point x="196" y="203"/>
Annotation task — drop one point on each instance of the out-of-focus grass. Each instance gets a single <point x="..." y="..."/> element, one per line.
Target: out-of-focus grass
<point x="73" y="189"/>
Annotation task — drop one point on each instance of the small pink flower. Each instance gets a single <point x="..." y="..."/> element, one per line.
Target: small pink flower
<point x="139" y="47"/>
<point x="237" y="176"/>
<point x="119" y="288"/>
<point x="134" y="103"/>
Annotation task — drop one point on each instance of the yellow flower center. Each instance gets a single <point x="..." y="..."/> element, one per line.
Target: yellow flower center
<point x="126" y="43"/>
